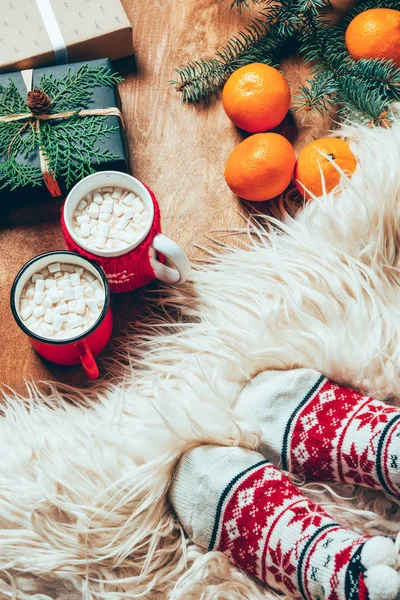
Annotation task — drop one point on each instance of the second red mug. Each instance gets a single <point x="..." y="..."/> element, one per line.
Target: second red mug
<point x="70" y="351"/>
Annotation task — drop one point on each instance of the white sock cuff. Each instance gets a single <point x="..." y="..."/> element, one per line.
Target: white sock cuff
<point x="268" y="402"/>
<point x="199" y="482"/>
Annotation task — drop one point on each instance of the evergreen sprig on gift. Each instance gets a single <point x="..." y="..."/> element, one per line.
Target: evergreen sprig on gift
<point x="70" y="145"/>
<point x="362" y="90"/>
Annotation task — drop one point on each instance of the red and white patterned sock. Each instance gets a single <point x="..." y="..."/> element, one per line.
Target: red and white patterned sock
<point x="232" y="500"/>
<point x="323" y="431"/>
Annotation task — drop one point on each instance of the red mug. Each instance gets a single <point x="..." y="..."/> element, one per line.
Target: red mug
<point x="81" y="349"/>
<point x="142" y="261"/>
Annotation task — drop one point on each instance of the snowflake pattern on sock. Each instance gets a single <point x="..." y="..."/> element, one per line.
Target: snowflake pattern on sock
<point x="267" y="527"/>
<point x="337" y="434"/>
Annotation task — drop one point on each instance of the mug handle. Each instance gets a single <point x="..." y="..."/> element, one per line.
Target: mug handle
<point x="87" y="360"/>
<point x="161" y="243"/>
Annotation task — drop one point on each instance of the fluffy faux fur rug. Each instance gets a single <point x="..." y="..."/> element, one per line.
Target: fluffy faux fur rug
<point x="84" y="511"/>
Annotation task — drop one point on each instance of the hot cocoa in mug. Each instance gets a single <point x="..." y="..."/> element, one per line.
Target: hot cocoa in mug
<point x="113" y="219"/>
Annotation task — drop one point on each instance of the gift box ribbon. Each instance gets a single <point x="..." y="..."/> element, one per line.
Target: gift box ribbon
<point x="48" y="176"/>
<point x="53" y="31"/>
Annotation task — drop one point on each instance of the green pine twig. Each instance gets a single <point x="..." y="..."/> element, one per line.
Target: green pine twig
<point x="258" y="42"/>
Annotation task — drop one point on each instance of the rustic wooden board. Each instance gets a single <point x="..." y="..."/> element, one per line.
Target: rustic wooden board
<point x="179" y="151"/>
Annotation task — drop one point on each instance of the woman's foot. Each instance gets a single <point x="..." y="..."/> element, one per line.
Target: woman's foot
<point x="233" y="501"/>
<point x="323" y="431"/>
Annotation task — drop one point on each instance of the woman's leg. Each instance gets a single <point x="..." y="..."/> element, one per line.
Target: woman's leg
<point x="323" y="431"/>
<point x="233" y="501"/>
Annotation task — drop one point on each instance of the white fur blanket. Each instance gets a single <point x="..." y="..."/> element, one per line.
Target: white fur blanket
<point x="84" y="511"/>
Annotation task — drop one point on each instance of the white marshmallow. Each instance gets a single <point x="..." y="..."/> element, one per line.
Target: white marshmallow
<point x="74" y="321"/>
<point x="88" y="276"/>
<point x="104" y="228"/>
<point x="100" y="241"/>
<point x="137" y="205"/>
<point x="68" y="268"/>
<point x="68" y="293"/>
<point x="113" y="234"/>
<point x="107" y="206"/>
<point x="92" y="304"/>
<point x="122" y="223"/>
<point x="58" y="322"/>
<point x="61" y="309"/>
<point x="79" y="270"/>
<point x="99" y="295"/>
<point x="96" y="285"/>
<point x="129" y="199"/>
<point x="49" y="284"/>
<point x="54" y="267"/>
<point x="98" y="198"/>
<point x="47" y="329"/>
<point x="85" y="230"/>
<point x="72" y="306"/>
<point x="82" y="204"/>
<point x="47" y="303"/>
<point x="38" y="297"/>
<point x="127" y="236"/>
<point x="118" y="210"/>
<point x="36" y="277"/>
<point x="78" y="290"/>
<point x="39" y="312"/>
<point x="30" y="290"/>
<point x="26" y="312"/>
<point x="54" y="296"/>
<point x="82" y="219"/>
<point x="80" y="306"/>
<point x="49" y="316"/>
<point x="75" y="279"/>
<point x="105" y="217"/>
<point x="39" y="285"/>
<point x="88" y="292"/>
<point x="93" y="210"/>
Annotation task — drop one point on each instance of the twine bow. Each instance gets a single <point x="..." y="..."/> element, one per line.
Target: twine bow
<point x="35" y="117"/>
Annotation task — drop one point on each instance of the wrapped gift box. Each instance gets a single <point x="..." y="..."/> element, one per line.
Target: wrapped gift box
<point x="36" y="33"/>
<point x="103" y="98"/>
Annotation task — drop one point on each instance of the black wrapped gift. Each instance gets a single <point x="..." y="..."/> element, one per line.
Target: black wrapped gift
<point x="102" y="136"/>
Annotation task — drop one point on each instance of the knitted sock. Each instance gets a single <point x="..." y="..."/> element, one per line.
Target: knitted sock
<point x="232" y="500"/>
<point x="320" y="430"/>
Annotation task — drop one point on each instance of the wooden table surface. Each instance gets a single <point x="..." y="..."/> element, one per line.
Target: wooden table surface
<point x="178" y="150"/>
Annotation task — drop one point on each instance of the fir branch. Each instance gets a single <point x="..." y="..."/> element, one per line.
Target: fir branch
<point x="363" y="87"/>
<point x="74" y="91"/>
<point x="13" y="175"/>
<point x="319" y="95"/>
<point x="11" y="102"/>
<point x="257" y="43"/>
<point x="368" y="108"/>
<point x="72" y="161"/>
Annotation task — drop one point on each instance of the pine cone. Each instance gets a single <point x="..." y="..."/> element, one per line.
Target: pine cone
<point x="38" y="102"/>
